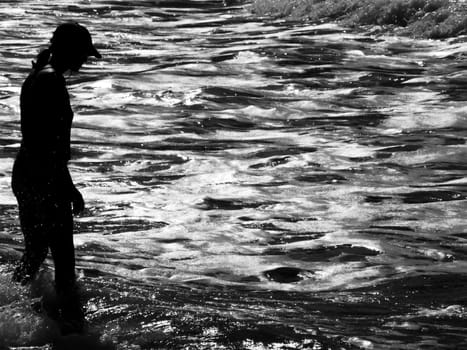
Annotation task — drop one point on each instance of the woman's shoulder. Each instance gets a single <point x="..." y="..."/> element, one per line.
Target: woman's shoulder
<point x="49" y="77"/>
<point x="47" y="72"/>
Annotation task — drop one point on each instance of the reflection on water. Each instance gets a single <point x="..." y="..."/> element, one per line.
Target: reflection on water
<point x="251" y="185"/>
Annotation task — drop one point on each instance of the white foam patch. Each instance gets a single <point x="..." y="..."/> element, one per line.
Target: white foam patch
<point x="360" y="343"/>
<point x="353" y="150"/>
<point x="247" y="57"/>
<point x="457" y="311"/>
<point x="441" y="50"/>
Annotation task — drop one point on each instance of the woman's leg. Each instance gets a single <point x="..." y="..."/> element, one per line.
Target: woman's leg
<point x="35" y="241"/>
<point x="30" y="216"/>
<point x="60" y="237"/>
<point x="63" y="253"/>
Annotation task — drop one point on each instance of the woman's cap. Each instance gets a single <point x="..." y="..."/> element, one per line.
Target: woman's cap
<point x="74" y="35"/>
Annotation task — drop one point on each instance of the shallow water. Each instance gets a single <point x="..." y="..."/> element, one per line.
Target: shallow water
<point x="250" y="184"/>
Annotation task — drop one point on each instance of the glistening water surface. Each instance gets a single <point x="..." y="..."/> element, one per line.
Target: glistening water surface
<point x="250" y="184"/>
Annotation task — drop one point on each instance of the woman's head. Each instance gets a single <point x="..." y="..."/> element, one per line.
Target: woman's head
<point x="71" y="45"/>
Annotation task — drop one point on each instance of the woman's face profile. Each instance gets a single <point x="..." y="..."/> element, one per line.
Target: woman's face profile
<point x="71" y="59"/>
<point x="77" y="61"/>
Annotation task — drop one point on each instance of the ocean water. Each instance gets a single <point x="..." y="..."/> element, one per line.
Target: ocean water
<point x="250" y="183"/>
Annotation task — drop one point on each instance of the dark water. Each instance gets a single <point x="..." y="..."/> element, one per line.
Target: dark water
<point x="249" y="184"/>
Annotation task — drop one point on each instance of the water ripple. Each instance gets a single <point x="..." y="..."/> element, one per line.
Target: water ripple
<point x="251" y="184"/>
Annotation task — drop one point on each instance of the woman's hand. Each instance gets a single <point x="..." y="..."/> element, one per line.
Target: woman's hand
<point x="77" y="201"/>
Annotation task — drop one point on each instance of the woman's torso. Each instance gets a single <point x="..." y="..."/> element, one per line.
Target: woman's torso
<point x="46" y="119"/>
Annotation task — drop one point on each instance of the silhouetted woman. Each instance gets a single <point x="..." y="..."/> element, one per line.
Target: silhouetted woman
<point x="41" y="182"/>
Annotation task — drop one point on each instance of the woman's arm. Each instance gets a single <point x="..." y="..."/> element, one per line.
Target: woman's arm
<point x="77" y="200"/>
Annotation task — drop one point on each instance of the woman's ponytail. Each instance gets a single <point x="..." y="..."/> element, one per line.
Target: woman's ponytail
<point x="42" y="59"/>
